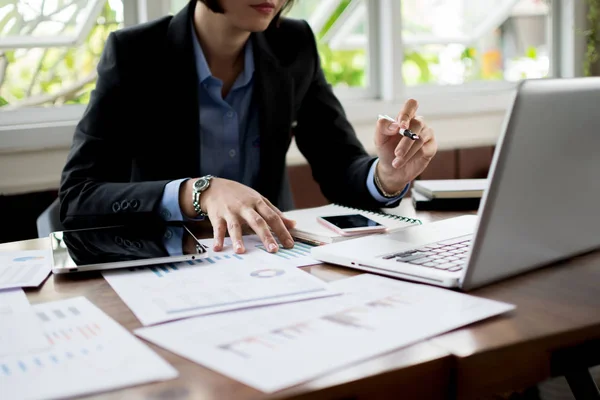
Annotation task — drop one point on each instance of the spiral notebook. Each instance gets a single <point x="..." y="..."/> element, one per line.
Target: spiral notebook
<point x="309" y="230"/>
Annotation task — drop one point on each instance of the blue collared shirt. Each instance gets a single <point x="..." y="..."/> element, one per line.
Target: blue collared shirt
<point x="229" y="133"/>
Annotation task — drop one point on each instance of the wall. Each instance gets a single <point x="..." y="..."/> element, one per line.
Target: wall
<point x="468" y="163"/>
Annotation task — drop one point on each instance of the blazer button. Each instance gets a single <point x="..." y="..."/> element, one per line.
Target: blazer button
<point x="134" y="204"/>
<point x="127" y="243"/>
<point x="116" y="207"/>
<point x="138" y="244"/>
<point x="124" y="205"/>
<point x="118" y="240"/>
<point x="165" y="213"/>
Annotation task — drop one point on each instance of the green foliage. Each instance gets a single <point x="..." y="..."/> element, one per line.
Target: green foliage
<point x="3" y="101"/>
<point x="334" y="16"/>
<point x="468" y="54"/>
<point x="343" y="67"/>
<point x="416" y="68"/>
<point x="34" y="72"/>
<point x="531" y="52"/>
<point x="592" y="36"/>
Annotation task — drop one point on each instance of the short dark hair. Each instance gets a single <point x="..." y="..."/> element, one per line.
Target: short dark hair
<point x="215" y="6"/>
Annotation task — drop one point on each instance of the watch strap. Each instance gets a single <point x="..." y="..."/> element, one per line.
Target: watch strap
<point x="196" y="204"/>
<point x="196" y="197"/>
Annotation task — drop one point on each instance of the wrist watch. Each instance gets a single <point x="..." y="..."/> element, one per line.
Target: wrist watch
<point x="200" y="186"/>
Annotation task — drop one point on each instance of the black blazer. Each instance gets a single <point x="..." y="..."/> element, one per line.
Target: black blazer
<point x="140" y="129"/>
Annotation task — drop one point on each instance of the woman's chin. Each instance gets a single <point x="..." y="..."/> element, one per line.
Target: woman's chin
<point x="255" y="24"/>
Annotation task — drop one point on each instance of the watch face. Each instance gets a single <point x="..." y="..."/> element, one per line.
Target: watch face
<point x="201" y="184"/>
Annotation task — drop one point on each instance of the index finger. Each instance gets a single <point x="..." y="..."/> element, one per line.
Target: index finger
<point x="407" y="113"/>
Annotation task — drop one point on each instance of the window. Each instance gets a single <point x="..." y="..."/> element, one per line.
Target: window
<point x="377" y="49"/>
<point x="49" y="49"/>
<point x="452" y="42"/>
<point x="177" y="5"/>
<point x="342" y="39"/>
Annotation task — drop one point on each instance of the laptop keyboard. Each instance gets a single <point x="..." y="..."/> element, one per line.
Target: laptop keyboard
<point x="448" y="255"/>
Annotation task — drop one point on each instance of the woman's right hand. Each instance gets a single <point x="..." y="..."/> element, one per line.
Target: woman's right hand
<point x="231" y="205"/>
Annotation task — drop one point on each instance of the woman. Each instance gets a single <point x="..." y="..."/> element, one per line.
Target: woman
<point x="192" y="116"/>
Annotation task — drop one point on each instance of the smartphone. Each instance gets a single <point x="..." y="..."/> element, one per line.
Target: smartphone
<point x="351" y="224"/>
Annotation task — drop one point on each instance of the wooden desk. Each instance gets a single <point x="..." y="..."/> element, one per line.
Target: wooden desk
<point x="556" y="321"/>
<point x="419" y="371"/>
<point x="554" y="331"/>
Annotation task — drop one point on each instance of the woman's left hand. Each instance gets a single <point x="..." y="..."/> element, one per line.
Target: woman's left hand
<point x="402" y="159"/>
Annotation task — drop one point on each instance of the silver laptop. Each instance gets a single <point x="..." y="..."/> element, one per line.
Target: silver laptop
<point x="542" y="204"/>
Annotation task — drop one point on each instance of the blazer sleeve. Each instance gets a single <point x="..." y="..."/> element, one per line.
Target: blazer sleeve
<point x="95" y="187"/>
<point x="325" y="137"/>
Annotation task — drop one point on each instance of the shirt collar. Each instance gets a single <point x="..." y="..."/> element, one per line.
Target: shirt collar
<point x="203" y="70"/>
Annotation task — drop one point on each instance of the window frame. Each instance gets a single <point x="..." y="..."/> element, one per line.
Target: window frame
<point x="40" y="128"/>
<point x="71" y="40"/>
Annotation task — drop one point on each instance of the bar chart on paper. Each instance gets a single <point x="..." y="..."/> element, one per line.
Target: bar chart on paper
<point x="88" y="352"/>
<point x="275" y="347"/>
<point x="20" y="329"/>
<point x="218" y="282"/>
<point x="166" y="269"/>
<point x="299" y="250"/>
<point x="298" y="256"/>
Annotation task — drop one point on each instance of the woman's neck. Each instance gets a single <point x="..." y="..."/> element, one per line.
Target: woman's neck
<point x="221" y="43"/>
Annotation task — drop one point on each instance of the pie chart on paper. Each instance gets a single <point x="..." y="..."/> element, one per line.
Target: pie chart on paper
<point x="267" y="273"/>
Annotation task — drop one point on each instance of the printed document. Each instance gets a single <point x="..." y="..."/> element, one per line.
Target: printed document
<point x="26" y="268"/>
<point x="298" y="256"/>
<point x="212" y="284"/>
<point x="20" y="329"/>
<point x="280" y="346"/>
<point x="89" y="353"/>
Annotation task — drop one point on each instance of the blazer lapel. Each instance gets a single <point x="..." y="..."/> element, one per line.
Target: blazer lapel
<point x="273" y="94"/>
<point x="182" y="103"/>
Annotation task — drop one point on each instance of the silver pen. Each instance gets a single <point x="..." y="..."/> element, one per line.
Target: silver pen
<point x="404" y="132"/>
